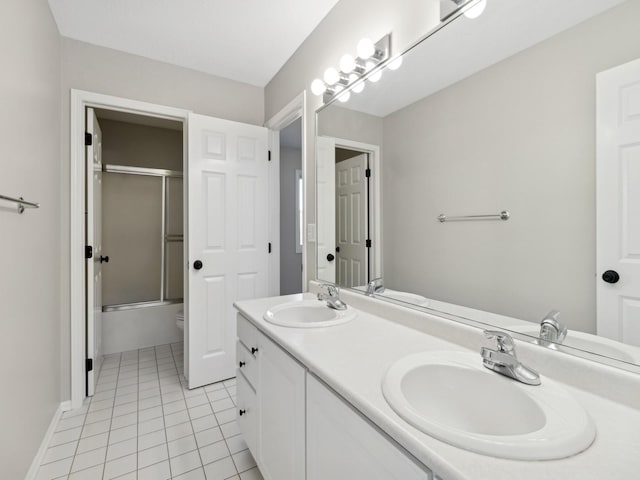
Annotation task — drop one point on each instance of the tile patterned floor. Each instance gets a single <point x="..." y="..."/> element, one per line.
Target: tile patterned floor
<point x="143" y="423"/>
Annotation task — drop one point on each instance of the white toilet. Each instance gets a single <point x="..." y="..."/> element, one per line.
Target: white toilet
<point x="180" y="319"/>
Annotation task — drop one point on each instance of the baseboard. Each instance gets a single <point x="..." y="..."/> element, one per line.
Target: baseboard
<point x="37" y="460"/>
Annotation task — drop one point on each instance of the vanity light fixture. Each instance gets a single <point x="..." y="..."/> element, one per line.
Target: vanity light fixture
<point x="470" y="8"/>
<point x="354" y="71"/>
<point x="474" y="11"/>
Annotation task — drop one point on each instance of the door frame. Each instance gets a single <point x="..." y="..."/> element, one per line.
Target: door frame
<point x="80" y="100"/>
<point x="295" y="109"/>
<point x="375" y="202"/>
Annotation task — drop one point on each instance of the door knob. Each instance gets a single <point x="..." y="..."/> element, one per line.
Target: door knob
<point x="610" y="276"/>
<point x="104" y="259"/>
<point x="197" y="264"/>
<point x="330" y="257"/>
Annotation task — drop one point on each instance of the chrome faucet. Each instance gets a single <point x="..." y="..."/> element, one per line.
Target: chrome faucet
<point x="375" y="286"/>
<point x="551" y="330"/>
<point x="332" y="297"/>
<point x="504" y="361"/>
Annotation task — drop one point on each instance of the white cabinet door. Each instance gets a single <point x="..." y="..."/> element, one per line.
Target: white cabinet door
<point x="281" y="434"/>
<point x="227" y="239"/>
<point x="341" y="445"/>
<point x="247" y="413"/>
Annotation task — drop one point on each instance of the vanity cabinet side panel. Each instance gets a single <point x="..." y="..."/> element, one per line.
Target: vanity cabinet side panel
<point x="281" y="401"/>
<point x="341" y="445"/>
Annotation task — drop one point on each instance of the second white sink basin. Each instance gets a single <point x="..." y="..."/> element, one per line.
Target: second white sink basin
<point x="451" y="396"/>
<point x="307" y="314"/>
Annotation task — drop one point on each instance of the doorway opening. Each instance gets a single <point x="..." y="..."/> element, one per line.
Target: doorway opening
<point x="291" y="208"/>
<point x="134" y="236"/>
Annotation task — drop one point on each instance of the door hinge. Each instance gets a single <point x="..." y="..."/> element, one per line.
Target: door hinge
<point x="88" y="251"/>
<point x="89" y="364"/>
<point x="269" y="247"/>
<point x="367" y="173"/>
<point x="368" y="244"/>
<point x="269" y="156"/>
<point x="88" y="139"/>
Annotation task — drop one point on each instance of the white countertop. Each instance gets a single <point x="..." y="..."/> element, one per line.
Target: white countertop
<point x="352" y="358"/>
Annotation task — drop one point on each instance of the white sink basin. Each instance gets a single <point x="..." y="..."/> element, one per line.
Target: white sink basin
<point x="452" y="397"/>
<point x="591" y="343"/>
<point x="307" y="314"/>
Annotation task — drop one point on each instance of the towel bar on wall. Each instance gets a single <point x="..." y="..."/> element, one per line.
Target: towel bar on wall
<point x="22" y="203"/>
<point x="504" y="215"/>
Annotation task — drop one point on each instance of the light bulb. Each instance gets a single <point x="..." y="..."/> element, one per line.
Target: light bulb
<point x="365" y="48"/>
<point x="318" y="87"/>
<point x="476" y="10"/>
<point x="395" y="64"/>
<point x="358" y="87"/>
<point x="376" y="76"/>
<point x="331" y="76"/>
<point x="344" y="97"/>
<point x="347" y="63"/>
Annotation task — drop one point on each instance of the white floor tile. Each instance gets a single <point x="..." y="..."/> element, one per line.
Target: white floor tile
<point x="200" y="411"/>
<point x="220" y="470"/>
<point x="124" y="420"/>
<point x="91" y="443"/>
<point x="185" y="463"/>
<point x="152" y="455"/>
<point x="209" y="436"/>
<point x="204" y="423"/>
<point x="151" y="440"/>
<point x="96" y="428"/>
<point x="99" y="416"/>
<point x="150" y="413"/>
<point x="122" y="449"/>
<point x="230" y="429"/>
<point x="223" y="404"/>
<point x="158" y="471"/>
<point x="65" y="436"/>
<point x="196" y="400"/>
<point x="92" y="473"/>
<point x="120" y="466"/>
<point x="54" y="469"/>
<point x="150" y="426"/>
<point x="71" y="422"/>
<point x="253" y="474"/>
<point x="89" y="459"/>
<point x="122" y="434"/>
<point x="182" y="445"/>
<point x="243" y="460"/>
<point x="236" y="444"/>
<point x="128" y="398"/>
<point x="153" y="401"/>
<point x="214" y="452"/>
<point x="176" y="418"/>
<point x="66" y="450"/>
<point x="125" y="409"/>
<point x="174" y="407"/>
<point x="179" y="431"/>
<point x="197" y="474"/>
<point x="218" y="395"/>
<point x="226" y="416"/>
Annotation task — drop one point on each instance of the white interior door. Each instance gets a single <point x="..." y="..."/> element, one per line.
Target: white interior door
<point x="227" y="247"/>
<point x="326" y="194"/>
<point x="351" y="216"/>
<point x="618" y="203"/>
<point x="94" y="239"/>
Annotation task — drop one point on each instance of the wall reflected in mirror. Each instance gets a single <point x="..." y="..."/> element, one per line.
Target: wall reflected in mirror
<point x="489" y="115"/>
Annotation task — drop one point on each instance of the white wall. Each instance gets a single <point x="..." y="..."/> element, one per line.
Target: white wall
<point x="520" y="136"/>
<point x="290" y="261"/>
<point x="102" y="70"/>
<point x="336" y="35"/>
<point x="29" y="243"/>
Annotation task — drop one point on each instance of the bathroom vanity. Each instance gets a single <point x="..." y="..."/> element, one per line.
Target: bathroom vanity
<point x="311" y="402"/>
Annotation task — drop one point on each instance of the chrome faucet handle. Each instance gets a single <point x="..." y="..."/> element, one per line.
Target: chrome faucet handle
<point x="504" y="341"/>
<point x="375" y="286"/>
<point x="332" y="290"/>
<point x="551" y="330"/>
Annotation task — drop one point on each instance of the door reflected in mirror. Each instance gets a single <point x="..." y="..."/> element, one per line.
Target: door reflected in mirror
<point x="534" y="109"/>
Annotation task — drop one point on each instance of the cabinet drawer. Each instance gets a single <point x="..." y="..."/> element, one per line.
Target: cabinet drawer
<point x="247" y="413"/>
<point x="248" y="334"/>
<point x="247" y="364"/>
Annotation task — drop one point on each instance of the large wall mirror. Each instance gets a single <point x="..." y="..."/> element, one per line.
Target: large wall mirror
<point x="496" y="117"/>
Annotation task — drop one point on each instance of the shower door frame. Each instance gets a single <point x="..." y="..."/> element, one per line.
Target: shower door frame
<point x="80" y="101"/>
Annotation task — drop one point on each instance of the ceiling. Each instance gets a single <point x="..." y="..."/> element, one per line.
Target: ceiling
<point x="247" y="40"/>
